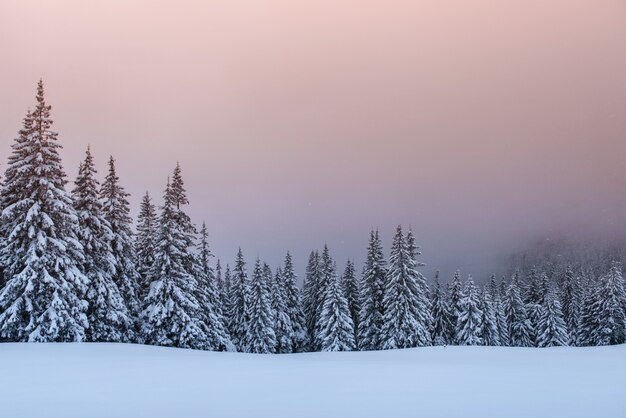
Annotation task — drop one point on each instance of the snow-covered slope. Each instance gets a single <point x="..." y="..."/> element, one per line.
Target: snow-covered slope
<point x="115" y="380"/>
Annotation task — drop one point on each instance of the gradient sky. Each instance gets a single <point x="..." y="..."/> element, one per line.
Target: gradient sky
<point x="483" y="124"/>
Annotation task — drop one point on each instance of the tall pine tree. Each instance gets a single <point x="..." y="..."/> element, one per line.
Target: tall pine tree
<point x="372" y="295"/>
<point x="406" y="320"/>
<point x="117" y="213"/>
<point x="43" y="296"/>
<point x="260" y="336"/>
<point x="145" y="240"/>
<point x="109" y="319"/>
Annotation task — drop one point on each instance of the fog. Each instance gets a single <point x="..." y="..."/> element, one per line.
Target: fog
<point x="483" y="125"/>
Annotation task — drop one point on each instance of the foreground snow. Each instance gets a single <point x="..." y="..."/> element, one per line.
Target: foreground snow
<point x="116" y="380"/>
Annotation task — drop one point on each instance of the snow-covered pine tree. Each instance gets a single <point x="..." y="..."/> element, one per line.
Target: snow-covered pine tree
<point x="490" y="333"/>
<point x="172" y="315"/>
<point x="145" y="241"/>
<point x="310" y="290"/>
<point x="406" y="320"/>
<point x="43" y="296"/>
<point x="109" y="319"/>
<point x="350" y="288"/>
<point x="589" y="318"/>
<point x="210" y="303"/>
<point x="116" y="211"/>
<point x="455" y="294"/>
<point x="440" y="313"/>
<point x="239" y="300"/>
<point x="498" y="307"/>
<point x="612" y="312"/>
<point x="327" y="273"/>
<point x="283" y="329"/>
<point x="551" y="328"/>
<point x="294" y="306"/>
<point x="372" y="294"/>
<point x="336" y="329"/>
<point x="571" y="295"/>
<point x="260" y="337"/>
<point x="469" y="322"/>
<point x="515" y="312"/>
<point x="533" y="302"/>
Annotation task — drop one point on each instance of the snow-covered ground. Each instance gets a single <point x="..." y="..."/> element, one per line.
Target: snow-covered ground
<point x="116" y="380"/>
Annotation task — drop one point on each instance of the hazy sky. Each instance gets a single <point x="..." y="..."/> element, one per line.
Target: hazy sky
<point x="480" y="123"/>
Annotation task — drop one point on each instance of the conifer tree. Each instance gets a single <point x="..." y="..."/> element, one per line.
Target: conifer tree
<point x="612" y="311"/>
<point x="551" y="328"/>
<point x="109" y="319"/>
<point x="172" y="315"/>
<point x="294" y="306"/>
<point x="310" y="290"/>
<point x="43" y="295"/>
<point x="226" y="307"/>
<point x="239" y="299"/>
<point x="589" y="319"/>
<point x="283" y="329"/>
<point x="406" y="321"/>
<point x="440" y="313"/>
<point x="469" y="325"/>
<point x="350" y="289"/>
<point x="145" y="240"/>
<point x="533" y="302"/>
<point x="117" y="213"/>
<point x="455" y="294"/>
<point x="498" y="308"/>
<point x="327" y="273"/>
<point x="260" y="336"/>
<point x="372" y="295"/>
<point x="336" y="330"/>
<point x="218" y="338"/>
<point x="571" y="297"/>
<point x="490" y="333"/>
<point x="517" y="320"/>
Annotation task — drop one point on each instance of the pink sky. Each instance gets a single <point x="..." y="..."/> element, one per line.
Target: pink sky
<point x="480" y="123"/>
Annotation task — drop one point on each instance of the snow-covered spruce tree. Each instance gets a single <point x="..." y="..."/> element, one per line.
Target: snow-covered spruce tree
<point x="294" y="306"/>
<point x="260" y="337"/>
<point x="406" y="320"/>
<point x="172" y="315"/>
<point x="145" y="240"/>
<point x="239" y="299"/>
<point x="589" y="319"/>
<point x="571" y="299"/>
<point x="533" y="302"/>
<point x="490" y="333"/>
<point x="372" y="293"/>
<point x="440" y="312"/>
<point x="222" y="291"/>
<point x="336" y="329"/>
<point x="350" y="288"/>
<point x="515" y="312"/>
<point x="327" y="274"/>
<point x="43" y="296"/>
<point x="116" y="211"/>
<point x="498" y="308"/>
<point x="218" y="338"/>
<point x="455" y="294"/>
<point x="612" y="312"/>
<point x="283" y="329"/>
<point x="551" y="328"/>
<point x="109" y="319"/>
<point x="310" y="290"/>
<point x="469" y="322"/>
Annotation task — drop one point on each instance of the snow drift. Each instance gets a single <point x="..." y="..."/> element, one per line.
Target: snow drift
<point x="121" y="380"/>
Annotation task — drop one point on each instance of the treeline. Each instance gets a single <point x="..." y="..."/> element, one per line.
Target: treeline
<point x="73" y="270"/>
